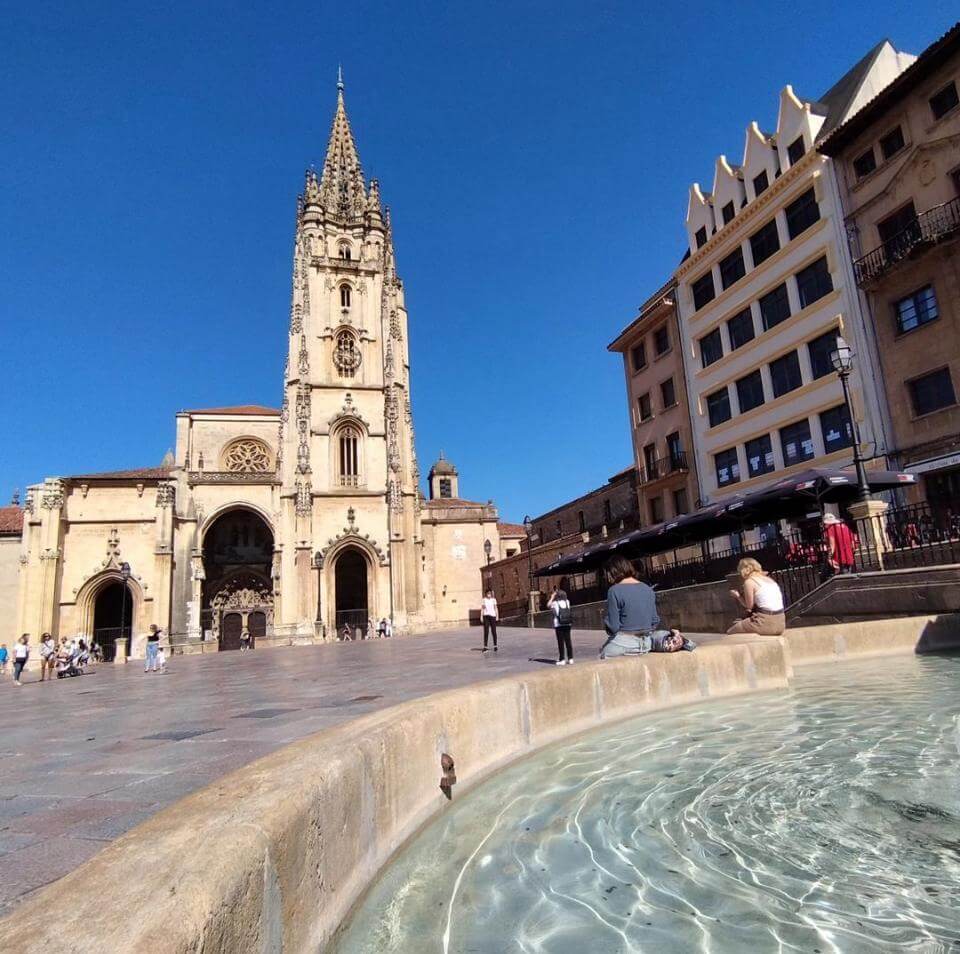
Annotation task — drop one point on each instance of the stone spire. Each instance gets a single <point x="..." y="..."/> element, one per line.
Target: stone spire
<point x="341" y="182"/>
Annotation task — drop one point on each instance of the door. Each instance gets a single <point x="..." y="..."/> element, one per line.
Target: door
<point x="231" y="626"/>
<point x="257" y="624"/>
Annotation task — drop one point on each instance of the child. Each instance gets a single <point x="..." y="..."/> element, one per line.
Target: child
<point x="4" y="655"/>
<point x="162" y="659"/>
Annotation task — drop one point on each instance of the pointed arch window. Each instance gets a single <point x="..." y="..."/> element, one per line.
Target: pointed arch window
<point x="345" y="252"/>
<point x="348" y="456"/>
<point x="346" y="355"/>
<point x="344" y="296"/>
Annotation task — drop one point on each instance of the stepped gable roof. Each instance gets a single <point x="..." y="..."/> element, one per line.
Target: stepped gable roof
<point x="138" y="473"/>
<point x="512" y="529"/>
<point x="931" y="59"/>
<point x="11" y="520"/>
<point x="253" y="410"/>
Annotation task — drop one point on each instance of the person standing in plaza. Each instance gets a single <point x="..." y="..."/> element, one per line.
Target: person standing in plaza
<point x="153" y="646"/>
<point x="559" y="602"/>
<point x="48" y="656"/>
<point x="4" y="655"/>
<point x="488" y="615"/>
<point x="21" y="653"/>
<point x="841" y="544"/>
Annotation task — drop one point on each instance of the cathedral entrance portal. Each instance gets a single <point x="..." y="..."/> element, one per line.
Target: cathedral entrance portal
<point x="351" y="592"/>
<point x="238" y="590"/>
<point x="112" y="617"/>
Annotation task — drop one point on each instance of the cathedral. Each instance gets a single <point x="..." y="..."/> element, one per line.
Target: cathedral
<point x="290" y="525"/>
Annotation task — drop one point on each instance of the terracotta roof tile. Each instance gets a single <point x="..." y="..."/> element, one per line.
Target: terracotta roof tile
<point x="250" y="409"/>
<point x="11" y="520"/>
<point x="147" y="473"/>
<point x="512" y="529"/>
<point x="454" y="502"/>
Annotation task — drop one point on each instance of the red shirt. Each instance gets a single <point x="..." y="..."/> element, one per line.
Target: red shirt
<point x="844" y="543"/>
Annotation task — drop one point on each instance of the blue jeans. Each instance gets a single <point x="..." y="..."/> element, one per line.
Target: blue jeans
<point x="629" y="644"/>
<point x="151" y="662"/>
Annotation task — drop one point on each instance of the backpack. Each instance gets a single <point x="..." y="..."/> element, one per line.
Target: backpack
<point x="564" y="613"/>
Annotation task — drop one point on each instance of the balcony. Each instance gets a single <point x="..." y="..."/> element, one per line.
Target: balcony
<point x="664" y="467"/>
<point x="928" y="228"/>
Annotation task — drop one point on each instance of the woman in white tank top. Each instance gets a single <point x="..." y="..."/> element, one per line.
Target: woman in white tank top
<point x="761" y="602"/>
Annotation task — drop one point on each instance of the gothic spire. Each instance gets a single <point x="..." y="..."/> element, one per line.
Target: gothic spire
<point x="341" y="183"/>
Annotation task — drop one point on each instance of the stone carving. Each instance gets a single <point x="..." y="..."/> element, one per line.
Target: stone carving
<point x="165" y="495"/>
<point x="346" y="355"/>
<point x="303" y="428"/>
<point x="52" y="495"/>
<point x="395" y="497"/>
<point x="394" y="325"/>
<point x="196" y="565"/>
<point x="303" y="499"/>
<point x="247" y="456"/>
<point x="243" y="593"/>
<point x="296" y="320"/>
<point x="29" y="501"/>
<point x="388" y="360"/>
<point x="303" y="358"/>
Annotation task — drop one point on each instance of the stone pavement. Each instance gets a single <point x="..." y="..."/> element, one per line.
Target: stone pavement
<point x="85" y="759"/>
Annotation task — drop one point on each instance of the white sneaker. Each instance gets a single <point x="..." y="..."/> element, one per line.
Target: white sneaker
<point x="561" y="662"/>
<point x="569" y="662"/>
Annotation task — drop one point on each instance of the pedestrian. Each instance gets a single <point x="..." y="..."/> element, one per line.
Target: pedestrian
<point x="841" y="544"/>
<point x="632" y="622"/>
<point x="371" y="631"/>
<point x="153" y="647"/>
<point x="244" y="639"/>
<point x="559" y="602"/>
<point x="389" y="629"/>
<point x="488" y="614"/>
<point x="4" y="656"/>
<point x="345" y="635"/>
<point x="761" y="602"/>
<point x="21" y="653"/>
<point x="48" y="656"/>
<point x="382" y="628"/>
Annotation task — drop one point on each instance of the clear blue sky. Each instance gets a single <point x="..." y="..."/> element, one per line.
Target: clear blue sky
<point x="536" y="157"/>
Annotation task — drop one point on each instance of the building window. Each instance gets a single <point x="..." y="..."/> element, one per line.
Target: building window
<point x="607" y="513"/>
<point x="247" y="455"/>
<point x="581" y="521"/>
<point x="865" y="163"/>
<point x="774" y="307"/>
<point x="750" y="391"/>
<point x="932" y="392"/>
<point x="711" y="348"/>
<point x="668" y="393"/>
<point x="344" y="296"/>
<point x="346" y="355"/>
<point x="813" y="282"/>
<point x="892" y="143"/>
<point x="899" y="229"/>
<point x="732" y="268"/>
<point x="345" y="252"/>
<point x="740" y="329"/>
<point x="680" y="504"/>
<point x="820" y="350"/>
<point x="802" y="213"/>
<point x="703" y="291"/>
<point x="785" y="374"/>
<point x="675" y="451"/>
<point x="446" y="487"/>
<point x="656" y="509"/>
<point x="835" y="428"/>
<point x="727" y="466"/>
<point x="348" y="442"/>
<point x="661" y="340"/>
<point x="728" y="212"/>
<point x="559" y="528"/>
<point x="796" y="442"/>
<point x="764" y="242"/>
<point x="650" y="460"/>
<point x="761" y="183"/>
<point x="638" y="356"/>
<point x="917" y="309"/>
<point x="645" y="407"/>
<point x="759" y="456"/>
<point x="701" y="236"/>
<point x="942" y="102"/>
<point x="795" y="150"/>
<point x="718" y="406"/>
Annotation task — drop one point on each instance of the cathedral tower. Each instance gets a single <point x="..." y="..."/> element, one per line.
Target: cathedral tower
<point x="350" y="507"/>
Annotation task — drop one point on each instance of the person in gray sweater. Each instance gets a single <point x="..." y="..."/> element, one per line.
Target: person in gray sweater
<point x="632" y="622"/>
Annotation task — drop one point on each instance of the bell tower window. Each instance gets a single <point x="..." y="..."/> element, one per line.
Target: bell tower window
<point x="344" y="296"/>
<point x="345" y="252"/>
<point x="348" y="456"/>
<point x="346" y="355"/>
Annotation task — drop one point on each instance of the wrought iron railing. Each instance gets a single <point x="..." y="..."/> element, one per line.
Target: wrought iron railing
<point x="928" y="227"/>
<point x="663" y="467"/>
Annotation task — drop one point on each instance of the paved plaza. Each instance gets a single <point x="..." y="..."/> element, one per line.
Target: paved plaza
<point x="86" y="759"/>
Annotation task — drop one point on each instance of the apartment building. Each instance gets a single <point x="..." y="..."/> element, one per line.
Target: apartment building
<point x="764" y="292"/>
<point x="657" y="405"/>
<point x="898" y="164"/>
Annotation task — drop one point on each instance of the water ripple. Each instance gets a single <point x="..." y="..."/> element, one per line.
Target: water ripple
<point x="823" y="819"/>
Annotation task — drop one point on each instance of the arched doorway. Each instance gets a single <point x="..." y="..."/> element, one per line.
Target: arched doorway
<point x="237" y="589"/>
<point x="351" y="593"/>
<point x="112" y="617"/>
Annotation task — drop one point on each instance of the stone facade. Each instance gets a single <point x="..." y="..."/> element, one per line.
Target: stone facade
<point x="285" y="524"/>
<point x="11" y="531"/>
<point x="898" y="163"/>
<point x="764" y="290"/>
<point x="659" y="413"/>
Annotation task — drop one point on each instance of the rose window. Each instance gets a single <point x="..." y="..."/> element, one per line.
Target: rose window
<point x="346" y="355"/>
<point x="247" y="456"/>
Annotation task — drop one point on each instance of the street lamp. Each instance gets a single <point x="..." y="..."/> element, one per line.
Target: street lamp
<point x="528" y="526"/>
<point x="842" y="360"/>
<point x="488" y="549"/>
<point x="124" y="577"/>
